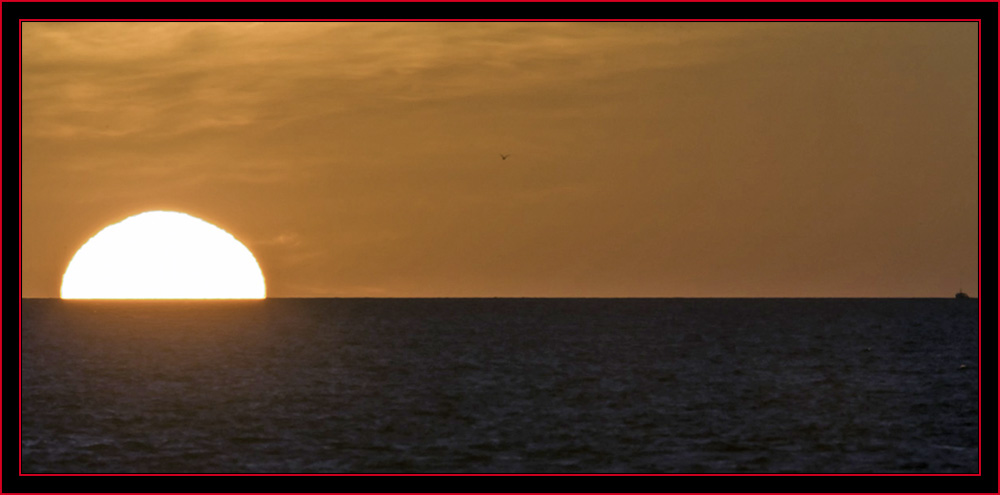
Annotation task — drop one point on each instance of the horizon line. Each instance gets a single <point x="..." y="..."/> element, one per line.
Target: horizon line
<point x="498" y="297"/>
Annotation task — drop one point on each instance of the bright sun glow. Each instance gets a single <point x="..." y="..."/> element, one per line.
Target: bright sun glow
<point x="163" y="255"/>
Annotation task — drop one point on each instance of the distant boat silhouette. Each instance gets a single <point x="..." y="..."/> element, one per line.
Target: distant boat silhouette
<point x="961" y="295"/>
<point x="503" y="156"/>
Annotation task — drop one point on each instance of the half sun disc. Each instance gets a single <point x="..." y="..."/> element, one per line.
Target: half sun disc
<point x="163" y="255"/>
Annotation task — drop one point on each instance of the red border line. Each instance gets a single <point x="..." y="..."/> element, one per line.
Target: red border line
<point x="624" y="19"/>
<point x="979" y="202"/>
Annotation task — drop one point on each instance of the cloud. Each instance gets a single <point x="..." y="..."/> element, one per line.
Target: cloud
<point x="112" y="79"/>
<point x="289" y="239"/>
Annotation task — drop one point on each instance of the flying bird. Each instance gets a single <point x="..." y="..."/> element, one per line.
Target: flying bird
<point x="503" y="156"/>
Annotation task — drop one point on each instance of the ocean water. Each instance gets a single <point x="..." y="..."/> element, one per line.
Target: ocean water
<point x="500" y="386"/>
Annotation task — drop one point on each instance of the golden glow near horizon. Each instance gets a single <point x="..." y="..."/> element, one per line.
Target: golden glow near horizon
<point x="656" y="159"/>
<point x="163" y="255"/>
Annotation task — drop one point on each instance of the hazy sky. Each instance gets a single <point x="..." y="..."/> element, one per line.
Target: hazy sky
<point x="647" y="159"/>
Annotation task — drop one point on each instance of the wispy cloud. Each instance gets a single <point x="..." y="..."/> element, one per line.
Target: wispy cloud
<point x="161" y="79"/>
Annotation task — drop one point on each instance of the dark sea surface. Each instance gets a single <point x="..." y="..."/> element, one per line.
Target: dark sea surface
<point x="501" y="386"/>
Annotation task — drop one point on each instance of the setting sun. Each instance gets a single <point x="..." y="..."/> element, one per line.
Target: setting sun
<point x="163" y="255"/>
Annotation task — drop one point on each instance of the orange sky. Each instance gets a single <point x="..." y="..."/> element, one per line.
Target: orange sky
<point x="647" y="159"/>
